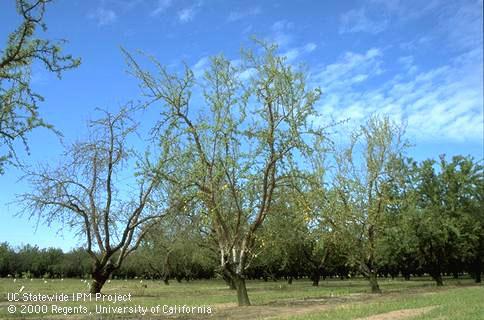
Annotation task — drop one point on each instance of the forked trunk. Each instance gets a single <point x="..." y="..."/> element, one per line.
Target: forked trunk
<point x="242" y="296"/>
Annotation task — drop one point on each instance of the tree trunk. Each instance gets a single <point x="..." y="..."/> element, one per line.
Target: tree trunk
<point x="438" y="280"/>
<point x="230" y="282"/>
<point x="375" y="288"/>
<point x="242" y="296"/>
<point x="289" y="280"/>
<point x="315" y="276"/>
<point x="477" y="269"/>
<point x="100" y="275"/>
<point x="437" y="276"/>
<point x="99" y="279"/>
<point x="166" y="280"/>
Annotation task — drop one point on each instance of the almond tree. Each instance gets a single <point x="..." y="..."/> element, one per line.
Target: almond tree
<point x="18" y="103"/>
<point x="252" y="118"/>
<point x="363" y="182"/>
<point x="446" y="220"/>
<point x="87" y="191"/>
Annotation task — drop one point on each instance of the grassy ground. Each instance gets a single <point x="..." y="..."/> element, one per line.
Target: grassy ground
<point x="333" y="299"/>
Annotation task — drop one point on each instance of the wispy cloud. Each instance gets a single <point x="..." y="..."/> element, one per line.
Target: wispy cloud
<point x="351" y="68"/>
<point x="124" y="5"/>
<point x="377" y="15"/>
<point x="281" y="33"/>
<point x="241" y="14"/>
<point x="200" y="66"/>
<point x="187" y="14"/>
<point x="294" y="53"/>
<point x="464" y="24"/>
<point x="442" y="103"/>
<point x="103" y="16"/>
<point x="357" y="20"/>
<point x="161" y="7"/>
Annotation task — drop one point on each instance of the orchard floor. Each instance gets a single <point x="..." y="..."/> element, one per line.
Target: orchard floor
<point x="418" y="298"/>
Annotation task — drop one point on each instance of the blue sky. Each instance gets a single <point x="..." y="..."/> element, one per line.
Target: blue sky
<point x="421" y="62"/>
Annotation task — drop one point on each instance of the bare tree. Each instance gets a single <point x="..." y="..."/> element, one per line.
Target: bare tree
<point x="88" y="192"/>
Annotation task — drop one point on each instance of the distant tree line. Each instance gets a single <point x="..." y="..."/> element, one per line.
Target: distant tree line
<point x="31" y="262"/>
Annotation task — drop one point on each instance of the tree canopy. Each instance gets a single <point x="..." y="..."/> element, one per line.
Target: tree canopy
<point x="19" y="104"/>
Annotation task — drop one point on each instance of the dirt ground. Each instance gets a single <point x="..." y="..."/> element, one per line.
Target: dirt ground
<point x="283" y="309"/>
<point x="399" y="314"/>
<point x="287" y="308"/>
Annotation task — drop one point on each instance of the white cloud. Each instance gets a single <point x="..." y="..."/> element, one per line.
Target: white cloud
<point x="104" y="16"/>
<point x="281" y="33"/>
<point x="200" y="66"/>
<point x="463" y="24"/>
<point x="357" y="20"/>
<point x="186" y="14"/>
<point x="377" y="15"/>
<point x="239" y="15"/>
<point x="161" y="7"/>
<point x="294" y="53"/>
<point x="350" y="69"/>
<point x="247" y="74"/>
<point x="389" y="5"/>
<point x="124" y="5"/>
<point x="439" y="104"/>
<point x="310" y="47"/>
<point x="406" y="61"/>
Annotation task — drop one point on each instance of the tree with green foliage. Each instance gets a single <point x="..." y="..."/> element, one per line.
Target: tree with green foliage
<point x="175" y="248"/>
<point x="398" y="243"/>
<point x="284" y="241"/>
<point x="462" y="182"/>
<point x="77" y="263"/>
<point x="7" y="259"/>
<point x="18" y="102"/>
<point x="254" y="118"/>
<point x="363" y="178"/>
<point x="448" y="215"/>
<point x="317" y="202"/>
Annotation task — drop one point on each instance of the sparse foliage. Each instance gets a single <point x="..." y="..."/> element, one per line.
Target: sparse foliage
<point x="19" y="104"/>
<point x="87" y="193"/>
<point x="240" y="143"/>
